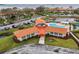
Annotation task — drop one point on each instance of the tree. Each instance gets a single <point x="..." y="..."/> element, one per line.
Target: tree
<point x="65" y="12"/>
<point x="76" y="11"/>
<point x="28" y="12"/>
<point x="40" y="10"/>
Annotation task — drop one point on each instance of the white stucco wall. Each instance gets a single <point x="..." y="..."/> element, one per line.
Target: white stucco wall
<point x="20" y="39"/>
<point x="57" y="34"/>
<point x="35" y="34"/>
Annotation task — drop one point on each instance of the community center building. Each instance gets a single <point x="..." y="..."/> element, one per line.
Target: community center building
<point x="41" y="28"/>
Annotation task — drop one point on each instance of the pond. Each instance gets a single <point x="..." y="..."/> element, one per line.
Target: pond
<point x="1" y="36"/>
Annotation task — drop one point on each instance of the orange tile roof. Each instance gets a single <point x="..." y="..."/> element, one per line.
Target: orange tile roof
<point x="57" y="30"/>
<point x="5" y="13"/>
<point x="41" y="30"/>
<point x="21" y="33"/>
<point x="39" y="21"/>
<point x="55" y="9"/>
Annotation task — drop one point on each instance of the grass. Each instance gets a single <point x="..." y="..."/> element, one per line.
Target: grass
<point x="5" y="43"/>
<point x="8" y="43"/>
<point x="29" y="25"/>
<point x="10" y="30"/>
<point x="67" y="43"/>
<point x="76" y="32"/>
<point x="75" y="23"/>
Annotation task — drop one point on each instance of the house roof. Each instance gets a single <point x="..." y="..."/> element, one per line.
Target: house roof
<point x="39" y="21"/>
<point x="60" y="9"/>
<point x="5" y="13"/>
<point x="24" y="32"/>
<point x="57" y="30"/>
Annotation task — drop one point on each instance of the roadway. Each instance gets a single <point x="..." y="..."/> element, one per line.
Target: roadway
<point x="19" y="23"/>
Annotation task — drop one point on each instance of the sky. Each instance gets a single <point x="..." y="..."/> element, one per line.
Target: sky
<point x="37" y="5"/>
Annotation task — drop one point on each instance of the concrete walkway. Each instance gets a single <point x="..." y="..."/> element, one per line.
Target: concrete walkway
<point x="42" y="40"/>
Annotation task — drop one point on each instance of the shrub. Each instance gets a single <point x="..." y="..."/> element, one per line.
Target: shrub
<point x="6" y="34"/>
<point x="21" y="27"/>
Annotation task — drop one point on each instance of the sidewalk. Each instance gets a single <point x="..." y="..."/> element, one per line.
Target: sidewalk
<point x="42" y="40"/>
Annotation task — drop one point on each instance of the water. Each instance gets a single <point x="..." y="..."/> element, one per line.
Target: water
<point x="1" y="36"/>
<point x="56" y="25"/>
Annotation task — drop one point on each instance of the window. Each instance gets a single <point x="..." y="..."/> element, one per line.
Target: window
<point x="32" y="34"/>
<point x="23" y="37"/>
<point x="56" y="33"/>
<point x="60" y="34"/>
<point x="28" y="36"/>
<point x="51" y="32"/>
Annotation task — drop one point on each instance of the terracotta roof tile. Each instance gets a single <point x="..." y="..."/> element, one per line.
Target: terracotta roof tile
<point x="39" y="21"/>
<point x="57" y="30"/>
<point x="21" y="33"/>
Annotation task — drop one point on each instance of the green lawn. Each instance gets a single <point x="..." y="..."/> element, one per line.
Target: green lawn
<point x="10" y="30"/>
<point x="69" y="43"/>
<point x="8" y="43"/>
<point x="29" y="25"/>
<point x="76" y="32"/>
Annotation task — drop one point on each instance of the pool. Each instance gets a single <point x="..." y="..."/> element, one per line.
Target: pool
<point x="56" y="25"/>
